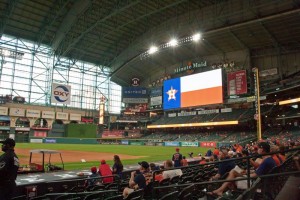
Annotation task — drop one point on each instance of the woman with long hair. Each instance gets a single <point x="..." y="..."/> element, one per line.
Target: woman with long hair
<point x="118" y="166"/>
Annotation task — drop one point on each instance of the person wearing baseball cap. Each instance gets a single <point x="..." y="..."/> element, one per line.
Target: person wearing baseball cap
<point x="104" y="170"/>
<point x="9" y="165"/>
<point x="139" y="180"/>
<point x="94" y="178"/>
<point x="177" y="158"/>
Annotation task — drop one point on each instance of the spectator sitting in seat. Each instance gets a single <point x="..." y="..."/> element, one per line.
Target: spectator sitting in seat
<point x="267" y="164"/>
<point x="170" y="173"/>
<point x="93" y="178"/>
<point x="139" y="179"/>
<point x="153" y="167"/>
<point x="104" y="170"/>
<point x="224" y="167"/>
<point x="202" y="161"/>
<point x="184" y="161"/>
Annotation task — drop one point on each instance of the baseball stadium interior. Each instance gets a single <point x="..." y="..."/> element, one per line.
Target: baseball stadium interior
<point x="180" y="73"/>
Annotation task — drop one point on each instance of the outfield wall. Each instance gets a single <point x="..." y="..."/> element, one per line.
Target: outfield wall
<point x="68" y="140"/>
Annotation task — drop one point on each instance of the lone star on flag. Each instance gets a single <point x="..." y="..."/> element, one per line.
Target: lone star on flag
<point x="172" y="93"/>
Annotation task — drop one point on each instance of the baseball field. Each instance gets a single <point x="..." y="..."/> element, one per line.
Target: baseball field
<point x="83" y="156"/>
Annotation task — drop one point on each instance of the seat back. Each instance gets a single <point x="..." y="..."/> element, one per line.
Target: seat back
<point x="170" y="196"/>
<point x="118" y="197"/>
<point x="175" y="180"/>
<point x="135" y="194"/>
<point x="186" y="192"/>
<point x="164" y="182"/>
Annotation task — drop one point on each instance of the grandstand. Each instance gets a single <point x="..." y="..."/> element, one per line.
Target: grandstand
<point x="172" y="73"/>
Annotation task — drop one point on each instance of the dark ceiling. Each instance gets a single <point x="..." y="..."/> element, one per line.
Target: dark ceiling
<point x="114" y="33"/>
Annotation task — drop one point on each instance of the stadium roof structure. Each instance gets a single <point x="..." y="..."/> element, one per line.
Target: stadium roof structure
<point x="115" y="33"/>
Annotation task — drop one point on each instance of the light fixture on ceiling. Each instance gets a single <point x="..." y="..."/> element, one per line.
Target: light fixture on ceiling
<point x="152" y="50"/>
<point x="196" y="37"/>
<point x="173" y="42"/>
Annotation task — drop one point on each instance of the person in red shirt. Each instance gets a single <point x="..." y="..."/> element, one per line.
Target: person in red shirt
<point x="104" y="170"/>
<point x="184" y="161"/>
<point x="202" y="161"/>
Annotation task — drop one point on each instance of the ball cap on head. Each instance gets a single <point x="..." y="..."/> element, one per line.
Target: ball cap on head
<point x="103" y="162"/>
<point x="177" y="149"/>
<point x="9" y="141"/>
<point x="94" y="169"/>
<point x="144" y="164"/>
<point x="265" y="146"/>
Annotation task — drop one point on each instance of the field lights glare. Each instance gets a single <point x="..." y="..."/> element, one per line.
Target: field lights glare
<point x="152" y="50"/>
<point x="196" y="37"/>
<point x="173" y="42"/>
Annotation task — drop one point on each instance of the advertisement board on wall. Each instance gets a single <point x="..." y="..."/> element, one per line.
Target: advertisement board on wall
<point x="125" y="142"/>
<point x="48" y="114"/>
<point x="154" y="101"/>
<point x="157" y="91"/>
<point x="49" y="140"/>
<point x="18" y="112"/>
<point x="61" y="115"/>
<point x="134" y="92"/>
<point x="190" y="144"/>
<point x="61" y="94"/>
<point x="137" y="143"/>
<point x="172" y="144"/>
<point x="75" y="117"/>
<point x="36" y="140"/>
<point x="208" y="144"/>
<point x="134" y="95"/>
<point x="237" y="82"/>
<point x="26" y="129"/>
<point x="33" y="113"/>
<point x="135" y="100"/>
<point x="3" y="110"/>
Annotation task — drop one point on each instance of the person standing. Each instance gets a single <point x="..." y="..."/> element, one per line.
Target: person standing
<point x="177" y="158"/>
<point x="9" y="165"/>
<point x="118" y="166"/>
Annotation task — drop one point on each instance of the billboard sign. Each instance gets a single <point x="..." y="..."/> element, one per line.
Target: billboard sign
<point x="61" y="115"/>
<point x="172" y="144"/>
<point x="48" y="114"/>
<point x="18" y="112"/>
<point x="208" y="144"/>
<point x="193" y="90"/>
<point x="237" y="83"/>
<point x="75" y="117"/>
<point x="156" y="92"/>
<point x="134" y="92"/>
<point x="3" y="110"/>
<point x="189" y="144"/>
<point x="61" y="94"/>
<point x="33" y="113"/>
<point x="155" y="101"/>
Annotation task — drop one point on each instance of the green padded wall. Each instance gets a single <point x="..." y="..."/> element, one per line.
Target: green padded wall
<point x="81" y="130"/>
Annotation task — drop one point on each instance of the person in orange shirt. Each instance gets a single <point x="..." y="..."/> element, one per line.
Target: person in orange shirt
<point x="216" y="151"/>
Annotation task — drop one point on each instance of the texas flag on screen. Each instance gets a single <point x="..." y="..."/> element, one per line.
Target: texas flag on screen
<point x="193" y="90"/>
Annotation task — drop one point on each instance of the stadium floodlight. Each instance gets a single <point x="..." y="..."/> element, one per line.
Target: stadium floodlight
<point x="196" y="37"/>
<point x="173" y="42"/>
<point x="152" y="50"/>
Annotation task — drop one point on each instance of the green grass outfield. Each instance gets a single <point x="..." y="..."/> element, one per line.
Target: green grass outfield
<point x="150" y="153"/>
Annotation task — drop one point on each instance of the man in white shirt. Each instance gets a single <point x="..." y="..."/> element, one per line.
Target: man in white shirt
<point x="170" y="173"/>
